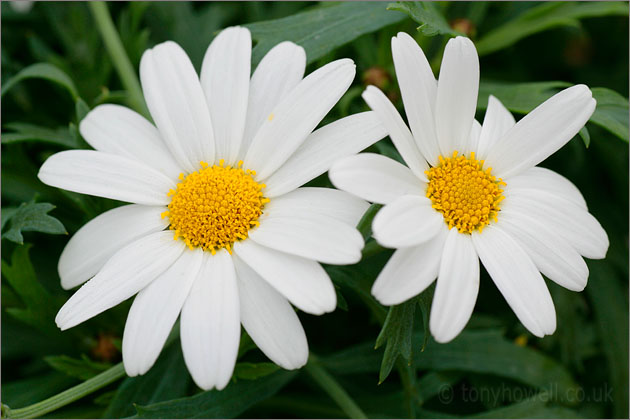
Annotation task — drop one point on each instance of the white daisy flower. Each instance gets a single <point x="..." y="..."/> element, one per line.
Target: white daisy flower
<point x="219" y="172"/>
<point x="473" y="192"/>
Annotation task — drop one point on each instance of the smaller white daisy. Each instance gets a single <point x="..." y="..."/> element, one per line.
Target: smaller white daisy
<point x="473" y="192"/>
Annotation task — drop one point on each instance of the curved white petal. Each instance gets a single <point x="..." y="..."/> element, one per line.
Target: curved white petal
<point x="177" y="104"/>
<point x="576" y="225"/>
<point x="456" y="289"/>
<point x="457" y="91"/>
<point x="302" y="281"/>
<point x="210" y="322"/>
<point x="106" y="175"/>
<point x="128" y="271"/>
<point x="517" y="278"/>
<point x="496" y="123"/>
<point x="90" y="248"/>
<point x="473" y="138"/>
<point x="279" y="71"/>
<point x="419" y="90"/>
<point x="375" y="178"/>
<point x="295" y="117"/>
<point x="541" y="132"/>
<point x="543" y="179"/>
<point x="316" y="237"/>
<point x="317" y="201"/>
<point x="398" y="131"/>
<point x="322" y="148"/>
<point x="154" y="312"/>
<point x="553" y="256"/>
<point x="225" y="80"/>
<point x="270" y="320"/>
<point x="409" y="220"/>
<point x="120" y="131"/>
<point x="409" y="271"/>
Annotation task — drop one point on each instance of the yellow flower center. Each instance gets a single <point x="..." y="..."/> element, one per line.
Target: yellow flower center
<point x="215" y="206"/>
<point x="467" y="196"/>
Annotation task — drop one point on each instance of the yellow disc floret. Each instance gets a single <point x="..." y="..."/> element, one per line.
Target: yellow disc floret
<point x="215" y="206"/>
<point x="467" y="196"/>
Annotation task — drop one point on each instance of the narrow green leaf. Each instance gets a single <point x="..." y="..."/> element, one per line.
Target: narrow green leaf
<point x="81" y="109"/>
<point x="538" y="406"/>
<point x="228" y="403"/>
<point x="251" y="371"/>
<point x="33" y="217"/>
<point x="425" y="13"/>
<point x="322" y="29"/>
<point x="397" y="332"/>
<point x="611" y="112"/>
<point x="42" y="71"/>
<point x="82" y="368"/>
<point x="586" y="136"/>
<point x="543" y="17"/>
<point x="24" y="132"/>
<point x="365" y="224"/>
<point x="424" y="301"/>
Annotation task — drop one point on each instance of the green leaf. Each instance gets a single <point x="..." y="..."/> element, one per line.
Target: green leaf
<point x="518" y="97"/>
<point x="42" y="71"/>
<point x="586" y="136"/>
<point x="396" y="332"/>
<point x="24" y="132"/>
<point x="425" y="13"/>
<point x="536" y="407"/>
<point x="39" y="306"/>
<point x="611" y="112"/>
<point x="543" y="17"/>
<point x="81" y="109"/>
<point x="228" y="403"/>
<point x="365" y="224"/>
<point x="322" y="29"/>
<point x="34" y="388"/>
<point x="251" y="371"/>
<point x="33" y="217"/>
<point x="424" y="301"/>
<point x="6" y="214"/>
<point x="82" y="368"/>
<point x="166" y="380"/>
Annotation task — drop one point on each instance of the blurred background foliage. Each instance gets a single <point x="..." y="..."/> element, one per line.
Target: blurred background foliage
<point x="55" y="68"/>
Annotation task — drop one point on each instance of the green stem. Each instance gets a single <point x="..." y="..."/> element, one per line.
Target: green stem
<point x="68" y="396"/>
<point x="118" y="55"/>
<point x="333" y="389"/>
<point x="408" y="378"/>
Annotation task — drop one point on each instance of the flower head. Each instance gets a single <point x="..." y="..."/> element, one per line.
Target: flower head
<point x="218" y="230"/>
<point x="473" y="192"/>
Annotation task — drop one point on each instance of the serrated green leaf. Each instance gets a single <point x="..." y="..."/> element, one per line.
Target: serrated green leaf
<point x="82" y="368"/>
<point x="252" y="371"/>
<point x="322" y="29"/>
<point x="397" y="332"/>
<point x="33" y="217"/>
<point x="23" y="132"/>
<point x="6" y="214"/>
<point x="228" y="403"/>
<point x="42" y="71"/>
<point x="425" y="13"/>
<point x="543" y="17"/>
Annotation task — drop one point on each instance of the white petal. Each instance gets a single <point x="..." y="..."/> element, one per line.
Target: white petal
<point x="317" y="201"/>
<point x="543" y="179"/>
<point x="457" y="91"/>
<point x="398" y="131"/>
<point x="120" y="131"/>
<point x="128" y="271"/>
<point x="553" y="256"/>
<point x="375" y="178"/>
<point x="473" y="138"/>
<point x="225" y="80"/>
<point x="324" y="146"/>
<point x="496" y="123"/>
<point x="177" y="104"/>
<point x="295" y="117"/>
<point x="316" y="237"/>
<point x="270" y="320"/>
<point x="409" y="220"/>
<point x="517" y="278"/>
<point x="576" y="225"/>
<point x="304" y="282"/>
<point x="541" y="132"/>
<point x="419" y="90"/>
<point x="279" y="71"/>
<point x="90" y="248"/>
<point x="456" y="289"/>
<point x="154" y="312"/>
<point x="409" y="271"/>
<point x="106" y="175"/>
<point x="210" y="322"/>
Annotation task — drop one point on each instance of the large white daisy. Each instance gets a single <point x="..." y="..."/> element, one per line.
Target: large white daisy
<point x="220" y="175"/>
<point x="473" y="192"/>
